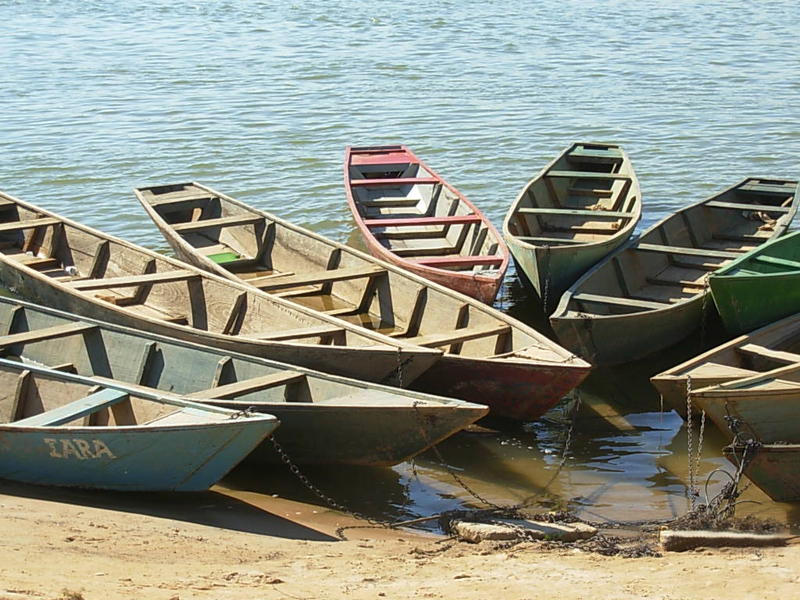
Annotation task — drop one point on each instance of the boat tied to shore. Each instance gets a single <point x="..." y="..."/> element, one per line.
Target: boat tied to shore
<point x="489" y="357"/>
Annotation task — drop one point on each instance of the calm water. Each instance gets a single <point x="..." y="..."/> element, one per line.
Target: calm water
<point x="259" y="100"/>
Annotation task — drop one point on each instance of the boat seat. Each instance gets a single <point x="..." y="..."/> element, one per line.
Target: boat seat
<point x="75" y="410"/>
<point x="28" y="224"/>
<point x="548" y="241"/>
<point x="293" y="334"/>
<point x="745" y="206"/>
<point x="458" y="336"/>
<point x="575" y="212"/>
<point x="47" y="333"/>
<point x="394" y="181"/>
<point x="769" y="187"/>
<point x="131" y="280"/>
<point x="686" y="251"/>
<point x="178" y="200"/>
<point x="774" y="260"/>
<point x="459" y="261"/>
<point x="586" y="175"/>
<point x="608" y="152"/>
<point x="390" y="202"/>
<point x="423" y="221"/>
<point x="247" y="386"/>
<point x="619" y="301"/>
<point x="677" y="282"/>
<point x="231" y="221"/>
<point x="775" y="355"/>
<point x="42" y="264"/>
<point x="591" y="192"/>
<point x="271" y="283"/>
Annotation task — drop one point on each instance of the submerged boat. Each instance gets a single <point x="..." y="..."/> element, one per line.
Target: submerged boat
<point x="578" y="209"/>
<point x="62" y="429"/>
<point x="324" y="419"/>
<point x="490" y="358"/>
<point x="748" y="355"/>
<point x="650" y="294"/>
<point x="759" y="288"/>
<point x="62" y="264"/>
<point x="411" y="217"/>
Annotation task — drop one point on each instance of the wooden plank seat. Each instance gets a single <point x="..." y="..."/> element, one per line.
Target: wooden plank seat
<point x="596" y="152"/>
<point x="271" y="282"/>
<point x="764" y="187"/>
<point x="28" y="224"/>
<point x="746" y="206"/>
<point x="247" y="386"/>
<point x="548" y="241"/>
<point x="775" y="355"/>
<point x="459" y="261"/>
<point x="75" y="410"/>
<point x="47" y="333"/>
<point x="458" y="336"/>
<point x="41" y="264"/>
<point x="382" y="157"/>
<point x="131" y="280"/>
<point x="394" y="181"/>
<point x="231" y="221"/>
<point x="619" y="301"/>
<point x="187" y="199"/>
<point x="704" y="252"/>
<point x="677" y="282"/>
<point x="425" y="251"/>
<point x="390" y="203"/>
<point x="297" y="334"/>
<point x="774" y="260"/>
<point x="423" y="221"/>
<point x="586" y="175"/>
<point x="575" y="212"/>
<point x="591" y="192"/>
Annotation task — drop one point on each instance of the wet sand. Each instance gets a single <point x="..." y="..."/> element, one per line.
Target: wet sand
<point x="74" y="544"/>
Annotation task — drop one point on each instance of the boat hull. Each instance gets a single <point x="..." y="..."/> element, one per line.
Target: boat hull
<point x="775" y="469"/>
<point x="748" y="302"/>
<point x="178" y="459"/>
<point x="511" y="390"/>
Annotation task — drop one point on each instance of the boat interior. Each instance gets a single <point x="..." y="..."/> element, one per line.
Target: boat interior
<point x="310" y="270"/>
<point x="415" y="215"/>
<point x="587" y="194"/>
<point x="670" y="263"/>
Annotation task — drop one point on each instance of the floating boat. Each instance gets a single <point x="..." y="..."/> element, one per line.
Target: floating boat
<point x="490" y="358"/>
<point x="62" y="429"/>
<point x="748" y="355"/>
<point x="651" y="293"/>
<point x="759" y="288"/>
<point x="411" y="217"/>
<point x="62" y="264"/>
<point x="775" y="468"/>
<point x="578" y="209"/>
<point x="765" y="406"/>
<point x="325" y="419"/>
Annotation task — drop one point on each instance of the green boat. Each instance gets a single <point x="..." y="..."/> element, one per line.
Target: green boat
<point x="759" y="288"/>
<point x="651" y="293"/>
<point x="579" y="208"/>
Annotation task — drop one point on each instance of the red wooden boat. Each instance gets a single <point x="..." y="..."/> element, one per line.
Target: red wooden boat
<point x="413" y="218"/>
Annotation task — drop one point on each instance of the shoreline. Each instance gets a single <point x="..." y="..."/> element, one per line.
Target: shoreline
<point x="80" y="544"/>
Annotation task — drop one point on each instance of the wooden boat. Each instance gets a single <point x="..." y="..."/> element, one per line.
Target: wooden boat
<point x="775" y="468"/>
<point x="411" y="217"/>
<point x="759" y="288"/>
<point x="65" y="265"/>
<point x="582" y="206"/>
<point x="650" y="294"/>
<point x="324" y="419"/>
<point x="62" y="429"/>
<point x="490" y="358"/>
<point x="748" y="355"/>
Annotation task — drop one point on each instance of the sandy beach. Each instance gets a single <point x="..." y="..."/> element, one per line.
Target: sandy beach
<point x="75" y="544"/>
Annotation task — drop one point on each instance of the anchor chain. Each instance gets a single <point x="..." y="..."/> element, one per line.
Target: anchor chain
<point x="546" y="278"/>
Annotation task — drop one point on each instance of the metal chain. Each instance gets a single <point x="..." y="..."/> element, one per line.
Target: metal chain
<point x="700" y="443"/>
<point x="546" y="278"/>
<point x="693" y="494"/>
<point x="703" y="309"/>
<point x="399" y="369"/>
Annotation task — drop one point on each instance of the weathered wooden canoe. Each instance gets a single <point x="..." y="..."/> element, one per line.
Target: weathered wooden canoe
<point x="490" y="358"/>
<point x="582" y="206"/>
<point x="759" y="288"/>
<point x="411" y="217"/>
<point x="325" y="419"/>
<point x="748" y="355"/>
<point x="766" y="406"/>
<point x="650" y="294"/>
<point x="775" y="468"/>
<point x="69" y="266"/>
<point x="62" y="429"/>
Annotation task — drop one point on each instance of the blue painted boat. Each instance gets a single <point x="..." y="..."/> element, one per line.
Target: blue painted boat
<point x="63" y="429"/>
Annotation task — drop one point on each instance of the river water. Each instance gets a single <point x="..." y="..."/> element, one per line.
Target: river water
<point x="260" y="99"/>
